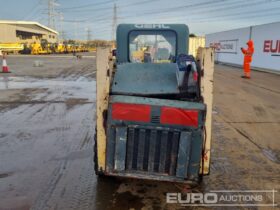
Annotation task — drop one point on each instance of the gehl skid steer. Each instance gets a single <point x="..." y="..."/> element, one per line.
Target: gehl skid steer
<point x="154" y="106"/>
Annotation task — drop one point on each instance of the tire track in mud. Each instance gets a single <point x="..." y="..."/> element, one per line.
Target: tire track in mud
<point x="71" y="73"/>
<point x="269" y="154"/>
<point x="51" y="112"/>
<point x="64" y="125"/>
<point x="19" y="115"/>
<point x="236" y="163"/>
<point x="84" y="193"/>
<point x="83" y="196"/>
<point x="77" y="192"/>
<point x="58" y="171"/>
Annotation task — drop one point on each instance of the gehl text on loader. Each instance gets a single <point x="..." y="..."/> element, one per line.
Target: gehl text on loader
<point x="154" y="106"/>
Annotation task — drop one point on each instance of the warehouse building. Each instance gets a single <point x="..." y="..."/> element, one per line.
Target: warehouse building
<point x="266" y="39"/>
<point x="25" y="32"/>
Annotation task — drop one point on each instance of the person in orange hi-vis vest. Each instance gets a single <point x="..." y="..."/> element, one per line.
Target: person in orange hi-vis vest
<point x="248" y="58"/>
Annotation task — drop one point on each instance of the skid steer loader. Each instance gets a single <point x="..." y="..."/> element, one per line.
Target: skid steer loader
<point x="153" y="115"/>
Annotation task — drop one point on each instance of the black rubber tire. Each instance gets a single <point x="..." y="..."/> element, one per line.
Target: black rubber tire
<point x="200" y="179"/>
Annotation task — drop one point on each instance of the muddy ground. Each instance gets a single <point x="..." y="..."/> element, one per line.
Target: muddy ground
<point x="47" y="120"/>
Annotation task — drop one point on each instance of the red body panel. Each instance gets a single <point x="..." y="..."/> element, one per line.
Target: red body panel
<point x="131" y="112"/>
<point x="176" y="116"/>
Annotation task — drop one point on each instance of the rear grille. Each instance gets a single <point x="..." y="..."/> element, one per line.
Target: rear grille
<point x="152" y="150"/>
<point x="155" y="119"/>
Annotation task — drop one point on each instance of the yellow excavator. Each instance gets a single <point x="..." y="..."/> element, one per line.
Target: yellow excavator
<point x="43" y="47"/>
<point x="59" y="48"/>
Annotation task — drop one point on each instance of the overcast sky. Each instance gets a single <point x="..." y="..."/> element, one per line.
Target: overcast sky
<point x="202" y="16"/>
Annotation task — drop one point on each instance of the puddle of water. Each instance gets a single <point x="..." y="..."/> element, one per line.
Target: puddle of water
<point x="58" y="89"/>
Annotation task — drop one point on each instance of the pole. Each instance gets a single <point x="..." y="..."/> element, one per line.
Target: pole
<point x="49" y="13"/>
<point x="88" y="34"/>
<point x="114" y="24"/>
